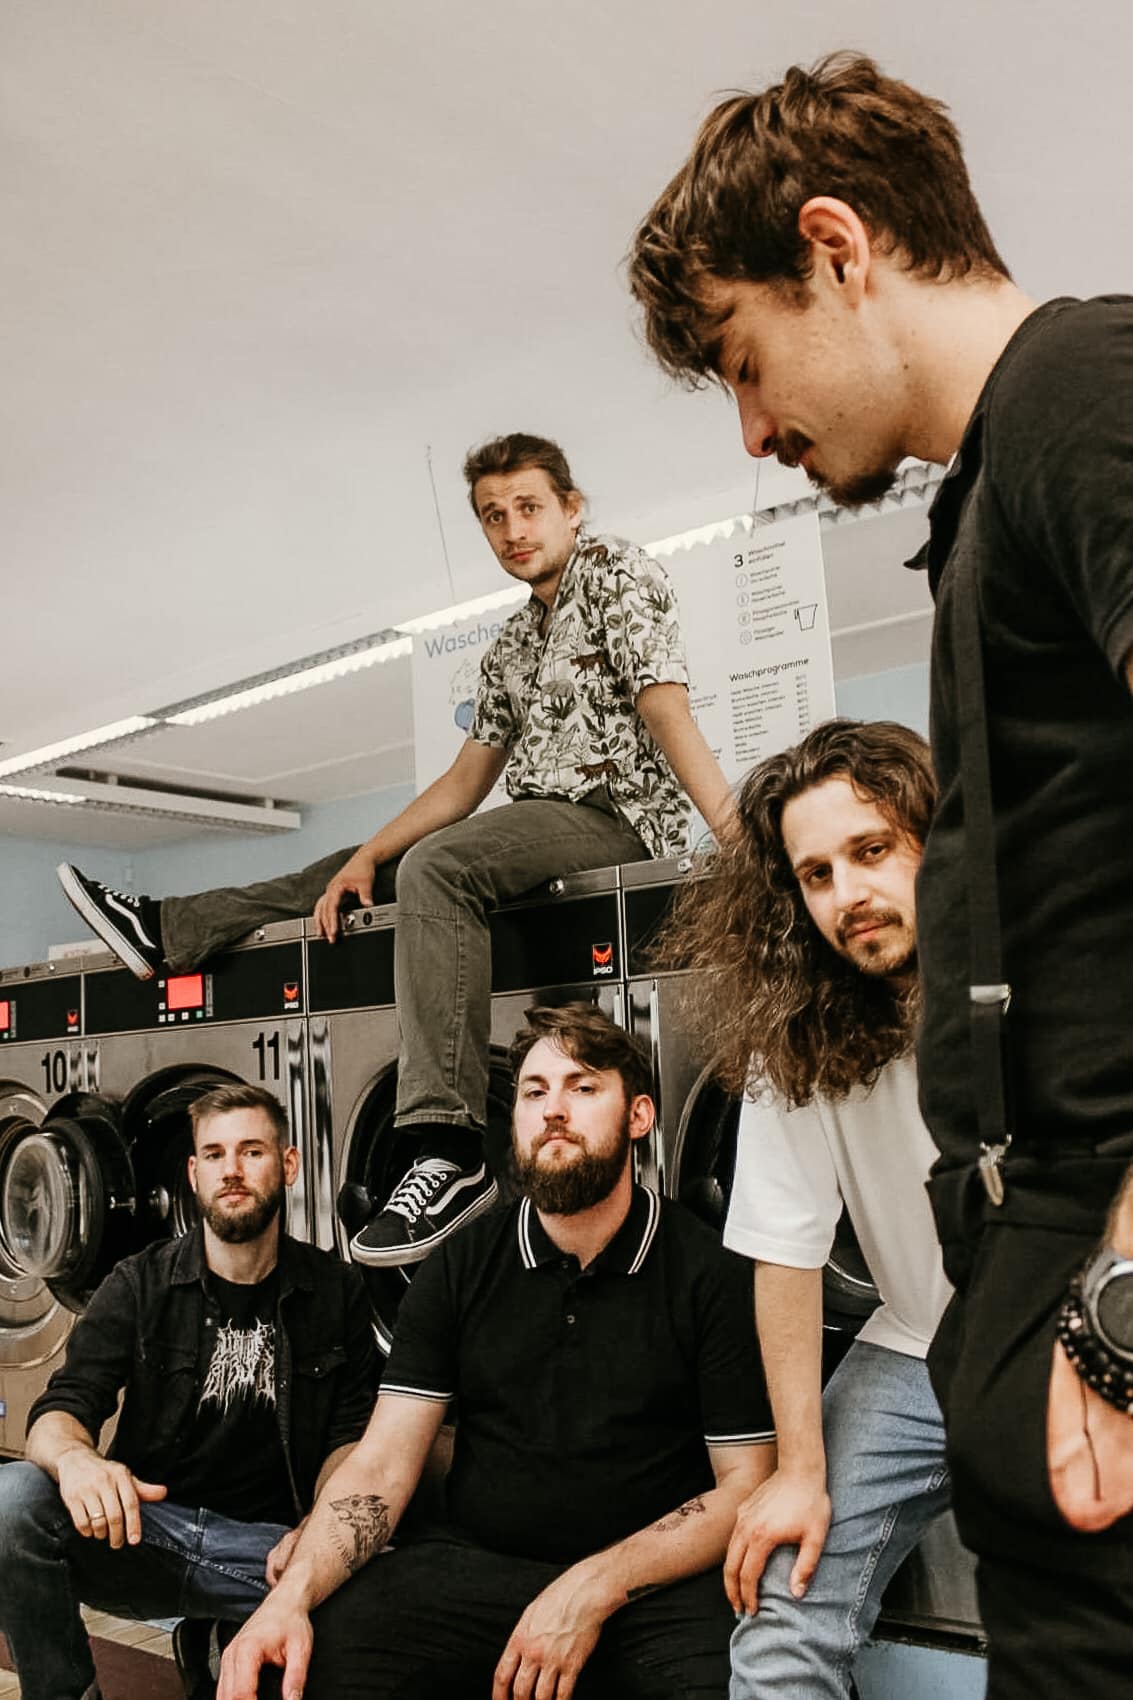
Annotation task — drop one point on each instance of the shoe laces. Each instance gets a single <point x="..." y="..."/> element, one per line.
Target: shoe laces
<point x="424" y="1180"/>
<point x="127" y="897"/>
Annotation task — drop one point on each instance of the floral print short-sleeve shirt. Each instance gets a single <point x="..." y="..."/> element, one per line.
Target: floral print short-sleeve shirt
<point x="561" y="700"/>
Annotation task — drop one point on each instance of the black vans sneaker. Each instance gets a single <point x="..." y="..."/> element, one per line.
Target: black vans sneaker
<point x="434" y="1199"/>
<point x="129" y="926"/>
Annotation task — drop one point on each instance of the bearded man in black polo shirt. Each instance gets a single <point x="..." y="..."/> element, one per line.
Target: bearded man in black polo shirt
<point x="822" y="256"/>
<point x="247" y="1366"/>
<point x="599" y="1347"/>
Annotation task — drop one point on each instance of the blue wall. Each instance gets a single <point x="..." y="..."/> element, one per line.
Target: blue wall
<point x="901" y="694"/>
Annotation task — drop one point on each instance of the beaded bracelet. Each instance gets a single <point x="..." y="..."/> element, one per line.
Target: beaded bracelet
<point x="1099" y="1367"/>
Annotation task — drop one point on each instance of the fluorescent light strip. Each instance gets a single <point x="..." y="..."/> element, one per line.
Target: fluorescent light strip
<point x="511" y="597"/>
<point x="48" y="753"/>
<point x="32" y="794"/>
<point x="288" y="683"/>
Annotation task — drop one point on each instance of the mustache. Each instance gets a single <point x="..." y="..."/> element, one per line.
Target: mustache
<point x="790" y="447"/>
<point x="850" y="924"/>
<point x="550" y="1133"/>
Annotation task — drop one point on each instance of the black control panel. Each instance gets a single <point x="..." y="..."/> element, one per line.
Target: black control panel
<point x="645" y="908"/>
<point x="41" y="1009"/>
<point x="557" y="942"/>
<point x="249" y="985"/>
<point x="356" y="972"/>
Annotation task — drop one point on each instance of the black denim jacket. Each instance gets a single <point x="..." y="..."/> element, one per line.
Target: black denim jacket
<point x="147" y="1332"/>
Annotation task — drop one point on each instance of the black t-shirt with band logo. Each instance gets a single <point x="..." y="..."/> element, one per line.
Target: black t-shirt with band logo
<point x="1042" y="491"/>
<point x="233" y="1458"/>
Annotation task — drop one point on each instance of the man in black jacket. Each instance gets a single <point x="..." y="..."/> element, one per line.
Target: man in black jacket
<point x="248" y="1369"/>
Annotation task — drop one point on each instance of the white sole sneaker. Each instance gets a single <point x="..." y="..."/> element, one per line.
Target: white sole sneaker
<point x="126" y="952"/>
<point x="396" y="1256"/>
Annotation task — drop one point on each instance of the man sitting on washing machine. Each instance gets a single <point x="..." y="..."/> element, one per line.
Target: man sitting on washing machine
<point x="247" y="1364"/>
<point x="597" y="1342"/>
<point x="805" y="933"/>
<point x="583" y="699"/>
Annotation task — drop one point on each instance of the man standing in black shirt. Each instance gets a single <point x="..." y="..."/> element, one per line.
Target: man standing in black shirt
<point x="248" y="1369"/>
<point x="822" y="256"/>
<point x="599" y="1346"/>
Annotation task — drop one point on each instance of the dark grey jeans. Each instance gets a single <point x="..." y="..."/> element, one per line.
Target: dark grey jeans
<point x="445" y="888"/>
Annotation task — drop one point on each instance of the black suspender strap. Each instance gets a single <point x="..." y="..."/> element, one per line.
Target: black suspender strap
<point x="988" y="991"/>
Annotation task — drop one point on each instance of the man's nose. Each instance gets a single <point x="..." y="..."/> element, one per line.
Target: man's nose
<point x="757" y="426"/>
<point x="851" y="889"/>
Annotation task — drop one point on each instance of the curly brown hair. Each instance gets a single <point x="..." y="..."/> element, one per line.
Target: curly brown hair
<point x="731" y="213"/>
<point x="770" y="993"/>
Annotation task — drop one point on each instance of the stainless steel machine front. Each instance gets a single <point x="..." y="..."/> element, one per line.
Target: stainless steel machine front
<point x="41" y="1059"/>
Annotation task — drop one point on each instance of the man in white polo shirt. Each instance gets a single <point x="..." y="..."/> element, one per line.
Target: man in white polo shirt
<point x="807" y="934"/>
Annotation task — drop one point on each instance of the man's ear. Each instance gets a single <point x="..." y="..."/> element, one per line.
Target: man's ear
<point x="290" y="1164"/>
<point x="572" y="507"/>
<point x="839" y="245"/>
<point x="193" y="1170"/>
<point x="642" y="1115"/>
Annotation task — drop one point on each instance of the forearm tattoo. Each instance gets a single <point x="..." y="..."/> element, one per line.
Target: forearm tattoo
<point x="365" y="1528"/>
<point x="673" y="1520"/>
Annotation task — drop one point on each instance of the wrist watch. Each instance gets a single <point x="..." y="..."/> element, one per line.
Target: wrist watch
<point x="1107" y="1301"/>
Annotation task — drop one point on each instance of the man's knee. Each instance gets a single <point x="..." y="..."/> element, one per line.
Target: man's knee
<point x="429" y="868"/>
<point x="29" y="1505"/>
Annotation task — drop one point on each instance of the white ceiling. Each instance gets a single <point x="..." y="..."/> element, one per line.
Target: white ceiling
<point x="258" y="259"/>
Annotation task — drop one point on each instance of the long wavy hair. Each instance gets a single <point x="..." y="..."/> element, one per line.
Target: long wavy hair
<point x="771" y="998"/>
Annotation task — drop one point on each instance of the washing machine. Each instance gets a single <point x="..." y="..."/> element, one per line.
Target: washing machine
<point x="101" y="1173"/>
<point x="933" y="1594"/>
<point x="41" y="1060"/>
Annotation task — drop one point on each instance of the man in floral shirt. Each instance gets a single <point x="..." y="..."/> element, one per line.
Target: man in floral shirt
<point x="583" y="701"/>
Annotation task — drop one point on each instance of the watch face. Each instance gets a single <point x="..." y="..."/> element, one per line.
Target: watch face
<point x="1114" y="1310"/>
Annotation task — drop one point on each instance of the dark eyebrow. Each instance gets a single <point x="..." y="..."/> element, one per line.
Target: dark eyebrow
<point x="854" y="843"/>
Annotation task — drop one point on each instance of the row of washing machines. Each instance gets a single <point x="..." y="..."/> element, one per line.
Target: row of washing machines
<point x="98" y="1070"/>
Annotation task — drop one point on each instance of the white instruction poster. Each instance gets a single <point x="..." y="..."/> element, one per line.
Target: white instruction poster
<point x="446" y="672"/>
<point x="757" y="632"/>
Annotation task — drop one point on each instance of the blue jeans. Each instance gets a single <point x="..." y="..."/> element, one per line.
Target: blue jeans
<point x="887" y="1479"/>
<point x="187" y="1564"/>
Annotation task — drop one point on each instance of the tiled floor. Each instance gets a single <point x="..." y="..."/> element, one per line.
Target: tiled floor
<point x="142" y="1635"/>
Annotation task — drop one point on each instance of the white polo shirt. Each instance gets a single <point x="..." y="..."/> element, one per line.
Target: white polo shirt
<point x="869" y="1151"/>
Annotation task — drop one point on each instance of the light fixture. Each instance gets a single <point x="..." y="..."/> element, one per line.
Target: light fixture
<point x="32" y="794"/>
<point x="115" y="733"/>
<point x="373" y="652"/>
<point x="511" y="597"/>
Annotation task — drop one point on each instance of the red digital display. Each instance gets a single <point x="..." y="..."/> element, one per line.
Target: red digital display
<point x="185" y="991"/>
<point x="5" y="1015"/>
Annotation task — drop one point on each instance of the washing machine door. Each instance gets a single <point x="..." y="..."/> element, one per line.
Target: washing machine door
<point x="376" y="1155"/>
<point x="33" y="1324"/>
<point x="67" y="1196"/>
<point x="705" y="1165"/>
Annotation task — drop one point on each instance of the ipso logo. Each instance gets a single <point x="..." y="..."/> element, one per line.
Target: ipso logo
<point x="602" y="960"/>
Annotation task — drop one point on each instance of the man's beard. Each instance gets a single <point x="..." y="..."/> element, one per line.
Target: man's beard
<point x="856" y="490"/>
<point x="576" y="1185"/>
<point x="883" y="956"/>
<point x="248" y="1224"/>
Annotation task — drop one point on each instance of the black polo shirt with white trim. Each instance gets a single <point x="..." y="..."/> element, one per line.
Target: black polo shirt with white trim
<point x="587" y="1397"/>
